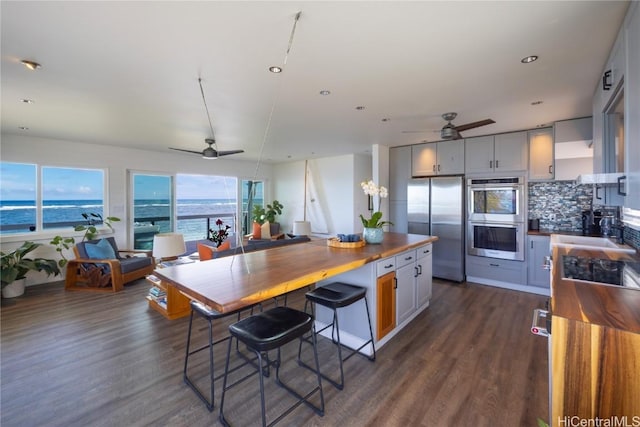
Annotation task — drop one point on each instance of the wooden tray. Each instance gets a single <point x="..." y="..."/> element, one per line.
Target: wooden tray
<point x="336" y="243"/>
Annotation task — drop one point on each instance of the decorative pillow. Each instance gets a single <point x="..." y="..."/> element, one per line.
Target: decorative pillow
<point x="205" y="251"/>
<point x="224" y="246"/>
<point x="100" y="250"/>
<point x="265" y="230"/>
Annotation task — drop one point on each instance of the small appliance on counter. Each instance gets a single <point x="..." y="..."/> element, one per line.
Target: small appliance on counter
<point x="534" y="224"/>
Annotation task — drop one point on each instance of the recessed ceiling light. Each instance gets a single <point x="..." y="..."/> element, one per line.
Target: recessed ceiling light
<point x="529" y="59"/>
<point x="31" y="64"/>
<point x="536" y="102"/>
<point x="27" y="101"/>
<point x="325" y="92"/>
<point x="275" y="69"/>
<point x="23" y="128"/>
<point x="360" y="107"/>
<point x="386" y="119"/>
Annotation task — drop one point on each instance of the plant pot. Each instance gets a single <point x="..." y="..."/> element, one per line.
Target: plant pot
<point x="274" y="228"/>
<point x="14" y="289"/>
<point x="373" y="236"/>
<point x="256" y="231"/>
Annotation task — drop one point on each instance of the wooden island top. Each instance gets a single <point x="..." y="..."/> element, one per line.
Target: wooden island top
<point x="231" y="283"/>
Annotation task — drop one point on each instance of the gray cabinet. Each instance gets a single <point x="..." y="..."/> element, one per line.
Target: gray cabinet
<point x="406" y="273"/>
<point x="541" y="166"/>
<point x="496" y="154"/>
<point x="537" y="249"/>
<point x="438" y="158"/>
<point x="424" y="279"/>
<point x="573" y="142"/>
<point x="632" y="124"/>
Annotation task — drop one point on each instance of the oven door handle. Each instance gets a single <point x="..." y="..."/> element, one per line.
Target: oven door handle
<point x="537" y="328"/>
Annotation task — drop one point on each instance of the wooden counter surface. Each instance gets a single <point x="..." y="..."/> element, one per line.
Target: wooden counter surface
<point x="234" y="282"/>
<point x="604" y="305"/>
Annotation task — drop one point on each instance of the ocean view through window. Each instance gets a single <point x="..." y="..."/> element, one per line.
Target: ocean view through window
<point x="66" y="194"/>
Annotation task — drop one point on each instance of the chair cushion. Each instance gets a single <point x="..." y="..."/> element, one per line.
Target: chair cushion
<point x="272" y="328"/>
<point x="205" y="251"/>
<point x="265" y="230"/>
<point x="82" y="252"/>
<point x="100" y="250"/>
<point x="336" y="295"/>
<point x="134" y="263"/>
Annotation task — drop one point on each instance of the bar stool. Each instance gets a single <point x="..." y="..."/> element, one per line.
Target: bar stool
<point x="334" y="296"/>
<point x="267" y="331"/>
<point x="209" y="315"/>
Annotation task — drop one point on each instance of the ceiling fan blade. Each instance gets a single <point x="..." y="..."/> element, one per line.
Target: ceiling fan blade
<point x="187" y="151"/>
<point x="473" y="125"/>
<point x="417" y="131"/>
<point x="229" y="152"/>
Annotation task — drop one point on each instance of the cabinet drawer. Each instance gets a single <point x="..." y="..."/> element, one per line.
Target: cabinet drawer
<point x="385" y="266"/>
<point x="423" y="251"/>
<point x="405" y="258"/>
<point x="497" y="269"/>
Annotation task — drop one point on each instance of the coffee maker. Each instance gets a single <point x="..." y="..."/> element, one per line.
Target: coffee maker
<point x="591" y="222"/>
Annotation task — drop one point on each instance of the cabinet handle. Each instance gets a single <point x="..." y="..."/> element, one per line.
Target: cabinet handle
<point x="490" y="164"/>
<point x="388" y="266"/>
<point x="420" y="269"/>
<point x="532" y="244"/>
<point x="597" y="193"/>
<point x="417" y="274"/>
<point x="494" y="265"/>
<point x="395" y="281"/>
<point x="438" y="168"/>
<point x="426" y="251"/>
<point x="550" y="169"/>
<point x="621" y="185"/>
<point x="409" y="258"/>
<point x="496" y="164"/>
<point x="434" y="168"/>
<point x="606" y="80"/>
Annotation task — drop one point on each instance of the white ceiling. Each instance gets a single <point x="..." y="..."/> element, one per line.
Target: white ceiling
<point x="126" y="73"/>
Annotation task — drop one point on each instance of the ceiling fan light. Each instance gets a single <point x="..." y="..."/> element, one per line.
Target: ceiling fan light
<point x="275" y="69"/>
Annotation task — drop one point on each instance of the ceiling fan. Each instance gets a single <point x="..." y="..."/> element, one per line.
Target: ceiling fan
<point x="211" y="152"/>
<point x="450" y="131"/>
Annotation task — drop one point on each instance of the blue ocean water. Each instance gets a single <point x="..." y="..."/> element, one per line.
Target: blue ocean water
<point x="18" y="216"/>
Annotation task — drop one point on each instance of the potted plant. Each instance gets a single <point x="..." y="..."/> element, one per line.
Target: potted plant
<point x="373" y="232"/>
<point x="261" y="215"/>
<point x="90" y="233"/>
<point x="220" y="235"/>
<point x="15" y="266"/>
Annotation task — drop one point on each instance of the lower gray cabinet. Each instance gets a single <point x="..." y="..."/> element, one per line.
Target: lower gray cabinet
<point x="537" y="249"/>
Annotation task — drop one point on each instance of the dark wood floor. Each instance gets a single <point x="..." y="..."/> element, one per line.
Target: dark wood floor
<point x="84" y="359"/>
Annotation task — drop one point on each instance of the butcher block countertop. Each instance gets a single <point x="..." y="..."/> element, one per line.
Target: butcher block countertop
<point x="599" y="304"/>
<point x="231" y="283"/>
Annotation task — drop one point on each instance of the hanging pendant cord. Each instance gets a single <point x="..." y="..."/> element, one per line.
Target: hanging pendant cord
<point x="206" y="108"/>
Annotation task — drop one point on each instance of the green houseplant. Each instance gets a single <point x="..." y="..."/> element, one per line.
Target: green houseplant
<point x="16" y="265"/>
<point x="373" y="232"/>
<point x="90" y="233"/>
<point x="262" y="215"/>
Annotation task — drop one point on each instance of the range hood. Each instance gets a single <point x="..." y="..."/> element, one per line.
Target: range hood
<point x="599" y="178"/>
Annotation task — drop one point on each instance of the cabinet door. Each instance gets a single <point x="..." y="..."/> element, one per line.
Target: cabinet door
<point x="399" y="172"/>
<point x="386" y="304"/>
<point x="510" y="152"/>
<point x="541" y="154"/>
<point x="537" y="249"/>
<point x="424" y="279"/>
<point x="478" y="154"/>
<point x="450" y="157"/>
<point x="632" y="124"/>
<point x="424" y="159"/>
<point x="406" y="292"/>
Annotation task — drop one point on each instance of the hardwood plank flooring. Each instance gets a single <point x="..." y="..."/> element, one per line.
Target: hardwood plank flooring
<point x="85" y="359"/>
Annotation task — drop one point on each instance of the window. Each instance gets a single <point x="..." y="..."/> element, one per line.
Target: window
<point x="252" y="194"/>
<point x="152" y="208"/>
<point x="57" y="200"/>
<point x="203" y="199"/>
<point x="17" y="197"/>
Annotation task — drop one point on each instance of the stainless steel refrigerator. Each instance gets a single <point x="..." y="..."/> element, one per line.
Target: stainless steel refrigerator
<point x="435" y="206"/>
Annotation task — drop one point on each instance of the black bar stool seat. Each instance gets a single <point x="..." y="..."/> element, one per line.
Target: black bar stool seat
<point x="334" y="296"/>
<point x="266" y="331"/>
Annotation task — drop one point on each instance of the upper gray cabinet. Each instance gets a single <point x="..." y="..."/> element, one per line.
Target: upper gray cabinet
<point x="632" y="124"/>
<point x="541" y="166"/>
<point x="497" y="154"/>
<point x="438" y="158"/>
<point x="573" y="148"/>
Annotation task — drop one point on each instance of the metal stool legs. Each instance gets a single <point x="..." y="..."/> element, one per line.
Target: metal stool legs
<point x="335" y="338"/>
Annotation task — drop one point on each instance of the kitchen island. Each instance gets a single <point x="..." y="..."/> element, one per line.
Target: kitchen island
<point x="231" y="283"/>
<point x="595" y="340"/>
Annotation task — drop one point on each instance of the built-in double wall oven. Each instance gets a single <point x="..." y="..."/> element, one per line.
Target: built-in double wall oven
<point x="495" y="214"/>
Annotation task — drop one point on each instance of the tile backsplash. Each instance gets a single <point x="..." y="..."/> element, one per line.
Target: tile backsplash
<point x="559" y="204"/>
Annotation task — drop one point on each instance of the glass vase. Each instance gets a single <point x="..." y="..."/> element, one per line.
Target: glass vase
<point x="373" y="235"/>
